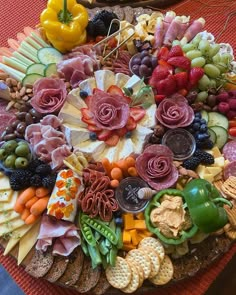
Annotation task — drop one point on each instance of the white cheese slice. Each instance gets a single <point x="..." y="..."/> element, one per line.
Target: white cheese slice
<point x="4" y="183"/>
<point x="10" y="226"/>
<point x="149" y="120"/>
<point x="135" y="83"/>
<point x="70" y="114"/>
<point x="75" y="99"/>
<point x="75" y="135"/>
<point x="88" y="85"/>
<point x="121" y="79"/>
<point x="111" y="153"/>
<point x="27" y="242"/>
<point x="126" y="148"/>
<point x="5" y="195"/>
<point x="8" y="215"/>
<point x="16" y="236"/>
<point x="5" y="206"/>
<point x="138" y="138"/>
<point x="104" y="79"/>
<point x="90" y="147"/>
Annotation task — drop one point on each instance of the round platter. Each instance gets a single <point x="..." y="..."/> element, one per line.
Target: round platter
<point x="200" y="255"/>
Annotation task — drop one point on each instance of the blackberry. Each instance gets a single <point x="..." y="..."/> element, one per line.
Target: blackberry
<point x="204" y="157"/>
<point x="191" y="163"/>
<point x="101" y="29"/>
<point x="90" y="29"/>
<point x="43" y="169"/>
<point x="206" y="144"/>
<point x="36" y="180"/>
<point x="34" y="164"/>
<point x="101" y="23"/>
<point x="49" y="181"/>
<point x="20" y="179"/>
<point x="105" y="16"/>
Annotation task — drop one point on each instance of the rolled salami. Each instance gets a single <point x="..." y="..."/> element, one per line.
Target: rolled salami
<point x="64" y="198"/>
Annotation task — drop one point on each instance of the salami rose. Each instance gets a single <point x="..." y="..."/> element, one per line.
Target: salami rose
<point x="110" y="111"/>
<point x="49" y="95"/>
<point x="175" y="112"/>
<point x="155" y="166"/>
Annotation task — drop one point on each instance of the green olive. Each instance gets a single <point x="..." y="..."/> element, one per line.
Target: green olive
<point x="22" y="150"/>
<point x="21" y="162"/>
<point x="10" y="161"/>
<point x="10" y="146"/>
<point x="3" y="154"/>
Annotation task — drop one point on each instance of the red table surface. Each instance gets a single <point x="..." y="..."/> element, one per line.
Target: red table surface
<point x="221" y="21"/>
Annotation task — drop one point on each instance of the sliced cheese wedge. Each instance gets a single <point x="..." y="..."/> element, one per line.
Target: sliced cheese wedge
<point x="75" y="99"/>
<point x="121" y="79"/>
<point x="16" y="236"/>
<point x="126" y="148"/>
<point x="75" y="135"/>
<point x="213" y="170"/>
<point x="8" y="215"/>
<point x="27" y="242"/>
<point x="5" y="195"/>
<point x="90" y="147"/>
<point x="72" y="115"/>
<point x="149" y="120"/>
<point x="104" y="79"/>
<point x="138" y="137"/>
<point x="111" y="153"/>
<point x="135" y="83"/>
<point x="4" y="183"/>
<point x="88" y="85"/>
<point x="11" y="226"/>
<point x="5" y="206"/>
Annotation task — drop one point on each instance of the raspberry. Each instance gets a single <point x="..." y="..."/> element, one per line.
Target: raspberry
<point x="223" y="107"/>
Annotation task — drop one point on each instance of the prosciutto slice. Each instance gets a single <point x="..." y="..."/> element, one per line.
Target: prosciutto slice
<point x="195" y="28"/>
<point x="62" y="234"/>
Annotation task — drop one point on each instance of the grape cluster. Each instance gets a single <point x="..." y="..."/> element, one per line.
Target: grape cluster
<point x="142" y="64"/>
<point x="199" y="130"/>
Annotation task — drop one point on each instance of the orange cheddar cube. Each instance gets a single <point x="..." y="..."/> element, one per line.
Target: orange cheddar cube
<point x="128" y="247"/>
<point x="128" y="221"/>
<point x="140" y="216"/>
<point x="145" y="233"/>
<point x="126" y="236"/>
<point x="140" y="224"/>
<point x="135" y="238"/>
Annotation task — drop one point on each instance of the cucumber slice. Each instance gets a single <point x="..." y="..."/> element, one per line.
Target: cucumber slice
<point x="36" y="69"/>
<point x="212" y="135"/>
<point x="221" y="135"/>
<point x="50" y="70"/>
<point x="217" y="119"/>
<point x="205" y="115"/>
<point x="49" y="55"/>
<point x="31" y="78"/>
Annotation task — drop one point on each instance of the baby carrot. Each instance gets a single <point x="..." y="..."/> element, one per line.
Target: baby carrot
<point x="122" y="165"/>
<point x="26" y="195"/>
<point x="116" y="173"/>
<point x="114" y="183"/>
<point x="18" y="207"/>
<point x="31" y="202"/>
<point x="130" y="161"/>
<point x="39" y="206"/>
<point x="106" y="165"/>
<point x="31" y="219"/>
<point x="132" y="171"/>
<point x="25" y="214"/>
<point x="42" y="192"/>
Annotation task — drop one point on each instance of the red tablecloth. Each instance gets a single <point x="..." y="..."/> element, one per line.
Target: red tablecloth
<point x="221" y="21"/>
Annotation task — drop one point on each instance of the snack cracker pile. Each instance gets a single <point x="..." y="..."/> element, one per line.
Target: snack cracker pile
<point x="118" y="145"/>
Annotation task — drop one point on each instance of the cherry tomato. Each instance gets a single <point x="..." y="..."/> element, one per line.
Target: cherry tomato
<point x="232" y="131"/>
<point x="232" y="123"/>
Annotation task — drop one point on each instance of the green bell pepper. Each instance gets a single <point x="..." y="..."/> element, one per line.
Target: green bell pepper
<point x="154" y="203"/>
<point x="204" y="202"/>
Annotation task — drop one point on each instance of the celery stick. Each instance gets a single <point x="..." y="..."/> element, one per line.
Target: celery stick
<point x="33" y="43"/>
<point x="18" y="61"/>
<point x="24" y="52"/>
<point x="12" y="72"/>
<point x="40" y="40"/>
<point x="29" y="48"/>
<point x="14" y="63"/>
<point x="22" y="58"/>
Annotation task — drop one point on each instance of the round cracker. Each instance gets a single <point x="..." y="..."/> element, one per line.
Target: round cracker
<point x="140" y="269"/>
<point x="165" y="273"/>
<point x="141" y="258"/>
<point x="134" y="282"/>
<point x="155" y="260"/>
<point x="153" y="243"/>
<point x="119" y="276"/>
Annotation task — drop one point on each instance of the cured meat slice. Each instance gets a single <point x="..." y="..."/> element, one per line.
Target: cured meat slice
<point x="230" y="170"/>
<point x="229" y="151"/>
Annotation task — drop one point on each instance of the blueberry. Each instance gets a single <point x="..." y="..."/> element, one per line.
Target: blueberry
<point x="203" y="128"/>
<point x="196" y="120"/>
<point x="198" y="115"/>
<point x="128" y="134"/>
<point x="203" y="121"/>
<point x="83" y="94"/>
<point x="203" y="136"/>
<point x="119" y="221"/>
<point x="93" y="136"/>
<point x="196" y="126"/>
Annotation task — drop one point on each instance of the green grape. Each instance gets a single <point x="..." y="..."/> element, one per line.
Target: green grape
<point x="212" y="71"/>
<point x="204" y="46"/>
<point x="222" y="67"/>
<point x="202" y="96"/>
<point x="226" y="58"/>
<point x="212" y="83"/>
<point x="196" y="40"/>
<point x="198" y="62"/>
<point x="175" y="42"/>
<point x="214" y="50"/>
<point x="216" y="58"/>
<point x="187" y="47"/>
<point x="203" y="83"/>
<point x="193" y="54"/>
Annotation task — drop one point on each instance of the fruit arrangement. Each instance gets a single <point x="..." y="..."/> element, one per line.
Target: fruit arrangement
<point x="122" y="161"/>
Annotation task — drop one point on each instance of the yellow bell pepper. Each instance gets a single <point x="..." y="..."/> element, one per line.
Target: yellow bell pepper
<point x="64" y="22"/>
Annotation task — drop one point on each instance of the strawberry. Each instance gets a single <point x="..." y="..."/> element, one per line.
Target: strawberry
<point x="113" y="89"/>
<point x="97" y="90"/>
<point x="195" y="75"/>
<point x="87" y="116"/>
<point x="175" y="51"/>
<point x="121" y="132"/>
<point x="159" y="97"/>
<point x="137" y="113"/>
<point x="112" y="140"/>
<point x="181" y="80"/>
<point x="131" y="124"/>
<point x="163" y="53"/>
<point x="165" y="65"/>
<point x="93" y="128"/>
<point x="167" y="86"/>
<point x="180" y="62"/>
<point x="87" y="100"/>
<point x="160" y="72"/>
<point x="104" y="134"/>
